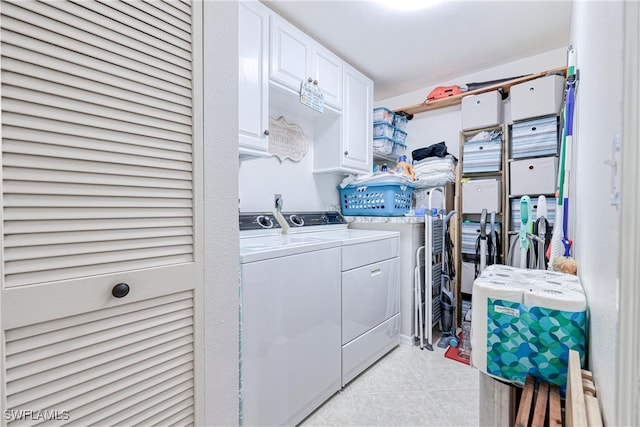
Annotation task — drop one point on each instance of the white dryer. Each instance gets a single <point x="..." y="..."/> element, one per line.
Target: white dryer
<point x="370" y="287"/>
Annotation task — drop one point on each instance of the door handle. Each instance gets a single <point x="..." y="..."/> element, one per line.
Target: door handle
<point x="120" y="290"/>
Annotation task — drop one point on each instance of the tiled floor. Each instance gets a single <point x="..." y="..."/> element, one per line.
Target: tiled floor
<point x="408" y="387"/>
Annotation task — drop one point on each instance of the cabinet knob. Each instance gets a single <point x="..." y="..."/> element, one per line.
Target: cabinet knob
<point x="346" y="153"/>
<point x="310" y="80"/>
<point x="315" y="82"/>
<point x="266" y="132"/>
<point x="120" y="290"/>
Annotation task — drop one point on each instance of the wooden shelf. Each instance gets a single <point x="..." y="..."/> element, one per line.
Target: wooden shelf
<point x="456" y="99"/>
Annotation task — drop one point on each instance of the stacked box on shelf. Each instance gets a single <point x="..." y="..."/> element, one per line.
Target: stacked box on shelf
<point x="515" y="211"/>
<point x="383" y="145"/>
<point x="383" y="114"/>
<point x="388" y="126"/>
<point x="535" y="138"/>
<point x="482" y="155"/>
<point x="470" y="232"/>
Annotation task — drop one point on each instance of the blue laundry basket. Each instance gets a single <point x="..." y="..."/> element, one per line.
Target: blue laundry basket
<point x="376" y="199"/>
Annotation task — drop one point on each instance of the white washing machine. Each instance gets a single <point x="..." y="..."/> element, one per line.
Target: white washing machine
<point x="291" y="329"/>
<point x="319" y="306"/>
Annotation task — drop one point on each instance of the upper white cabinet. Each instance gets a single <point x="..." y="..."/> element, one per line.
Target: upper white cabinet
<point x="344" y="144"/>
<point x="296" y="57"/>
<point x="253" y="87"/>
<point x="358" y="120"/>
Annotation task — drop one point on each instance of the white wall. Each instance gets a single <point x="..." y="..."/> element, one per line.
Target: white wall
<point x="445" y="124"/>
<point x="597" y="34"/>
<point x="301" y="189"/>
<point x="221" y="214"/>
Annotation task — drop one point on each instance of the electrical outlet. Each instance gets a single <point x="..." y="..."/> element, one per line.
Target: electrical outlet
<point x="278" y="202"/>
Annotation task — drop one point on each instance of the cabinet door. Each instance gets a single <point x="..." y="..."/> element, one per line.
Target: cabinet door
<point x="290" y="54"/>
<point x="253" y="85"/>
<point x="357" y="125"/>
<point x="327" y="71"/>
<point x="101" y="187"/>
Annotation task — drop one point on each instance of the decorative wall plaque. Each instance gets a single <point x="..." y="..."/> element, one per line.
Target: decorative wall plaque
<point x="286" y="141"/>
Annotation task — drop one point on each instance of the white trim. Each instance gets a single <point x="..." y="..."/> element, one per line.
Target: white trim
<point x="628" y="369"/>
<point x="198" y="203"/>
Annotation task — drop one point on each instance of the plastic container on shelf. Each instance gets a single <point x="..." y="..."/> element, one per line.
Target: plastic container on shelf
<point x="400" y="121"/>
<point x="399" y="149"/>
<point x="399" y="135"/>
<point x="383" y="129"/>
<point x="383" y="145"/>
<point x="383" y="114"/>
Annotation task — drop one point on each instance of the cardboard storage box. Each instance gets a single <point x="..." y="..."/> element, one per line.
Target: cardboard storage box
<point x="539" y="97"/>
<point x="478" y="194"/>
<point x="533" y="176"/>
<point x="482" y="110"/>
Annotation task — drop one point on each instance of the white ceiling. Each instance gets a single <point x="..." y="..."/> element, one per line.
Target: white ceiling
<point x="403" y="51"/>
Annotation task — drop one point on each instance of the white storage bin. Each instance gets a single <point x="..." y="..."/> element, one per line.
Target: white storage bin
<point x="535" y="138"/>
<point x="539" y="97"/>
<point x="479" y="194"/>
<point x="533" y="176"/>
<point x="482" y="110"/>
<point x="468" y="276"/>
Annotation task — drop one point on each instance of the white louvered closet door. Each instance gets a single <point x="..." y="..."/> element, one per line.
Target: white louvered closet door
<point x="100" y="167"/>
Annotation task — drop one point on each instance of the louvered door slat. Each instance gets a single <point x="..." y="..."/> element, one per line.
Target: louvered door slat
<point x="87" y="17"/>
<point x="181" y="6"/>
<point x="69" y="116"/>
<point x="58" y="33"/>
<point x="60" y="134"/>
<point x="154" y="9"/>
<point x="36" y="252"/>
<point x="76" y="390"/>
<point x="85" y="103"/>
<point x="180" y="392"/>
<point x="26" y="188"/>
<point x="26" y="176"/>
<point x="89" y="259"/>
<point x="18" y="230"/>
<point x="33" y="63"/>
<point x="35" y="152"/>
<point x="45" y="163"/>
<point x="102" y="365"/>
<point x="117" y="12"/>
<point x="26" y="362"/>
<point x="55" y="94"/>
<point x="179" y="412"/>
<point x="156" y="313"/>
<point x="93" y="213"/>
<point x="26" y="49"/>
<point x="99" y="125"/>
<point x="101" y="236"/>
<point x="133" y="400"/>
<point x="18" y="73"/>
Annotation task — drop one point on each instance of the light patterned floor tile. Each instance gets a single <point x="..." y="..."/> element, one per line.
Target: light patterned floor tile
<point x="407" y="387"/>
